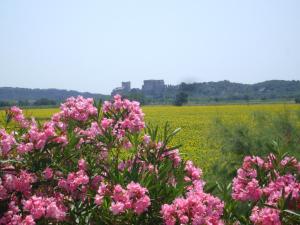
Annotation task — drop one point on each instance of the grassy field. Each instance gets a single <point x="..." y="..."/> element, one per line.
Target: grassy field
<point x="197" y="134"/>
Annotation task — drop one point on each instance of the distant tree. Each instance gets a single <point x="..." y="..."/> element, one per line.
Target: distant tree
<point x="297" y="100"/>
<point x="136" y="95"/>
<point x="44" y="101"/>
<point x="181" y="98"/>
<point x="5" y="103"/>
<point x="23" y="103"/>
<point x="246" y="98"/>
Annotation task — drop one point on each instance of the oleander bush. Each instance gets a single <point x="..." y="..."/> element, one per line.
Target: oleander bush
<point x="265" y="191"/>
<point x="102" y="165"/>
<point x="96" y="165"/>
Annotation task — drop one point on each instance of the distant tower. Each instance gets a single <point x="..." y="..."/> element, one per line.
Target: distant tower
<point x="126" y="86"/>
<point x="125" y="89"/>
<point x="153" y="88"/>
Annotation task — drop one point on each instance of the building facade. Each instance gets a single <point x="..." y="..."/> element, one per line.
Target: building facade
<point x="125" y="89"/>
<point x="153" y="88"/>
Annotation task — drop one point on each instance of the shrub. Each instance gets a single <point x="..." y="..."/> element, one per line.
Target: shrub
<point x="97" y="165"/>
<point x="180" y="99"/>
<point x="271" y="186"/>
<point x="267" y="133"/>
<point x="44" y="101"/>
<point x="102" y="165"/>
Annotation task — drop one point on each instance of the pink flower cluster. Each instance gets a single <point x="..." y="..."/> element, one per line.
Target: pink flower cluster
<point x="7" y="142"/>
<point x="134" y="197"/>
<point x="245" y="185"/>
<point x="39" y="138"/>
<point x="34" y="136"/>
<point x="75" y="184"/>
<point x="18" y="183"/>
<point x="17" y="189"/>
<point x="198" y="208"/>
<point x="193" y="173"/>
<point x="40" y="207"/>
<point x="129" y="116"/>
<point x="270" y="179"/>
<point x="119" y="117"/>
<point x="265" y="216"/>
<point x="283" y="186"/>
<point x="17" y="115"/>
<point x="174" y="156"/>
<point x="13" y="216"/>
<point x="77" y="137"/>
<point x="79" y="109"/>
<point x="102" y="191"/>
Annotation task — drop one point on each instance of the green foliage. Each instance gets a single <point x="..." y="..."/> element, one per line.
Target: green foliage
<point x="5" y="103"/>
<point x="44" y="101"/>
<point x="180" y="99"/>
<point x="257" y="138"/>
<point x="136" y="95"/>
<point x="268" y="132"/>
<point x="16" y="94"/>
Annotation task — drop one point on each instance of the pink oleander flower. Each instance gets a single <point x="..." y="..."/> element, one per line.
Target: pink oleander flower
<point x="265" y="216"/>
<point x="39" y="137"/>
<point x="269" y="180"/>
<point x="90" y="133"/>
<point x="193" y="173"/>
<point x="28" y="220"/>
<point x="283" y="186"/>
<point x="74" y="180"/>
<point x="146" y="139"/>
<point x="198" y="208"/>
<point x="79" y="109"/>
<point x="106" y="123"/>
<point x="7" y="142"/>
<point x="140" y="199"/>
<point x="134" y="198"/>
<point x="12" y="215"/>
<point x="174" y="156"/>
<point x="82" y="165"/>
<point x="20" y="183"/>
<point x="102" y="191"/>
<point x="290" y="161"/>
<point x="245" y="186"/>
<point x="48" y="173"/>
<point x="3" y="191"/>
<point x="24" y="148"/>
<point x="45" y="207"/>
<point x="17" y="115"/>
<point x="63" y="140"/>
<point x="75" y="184"/>
<point x="117" y="208"/>
<point x="131" y="117"/>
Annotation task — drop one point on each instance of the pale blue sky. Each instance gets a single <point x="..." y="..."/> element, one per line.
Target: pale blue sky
<point x="94" y="45"/>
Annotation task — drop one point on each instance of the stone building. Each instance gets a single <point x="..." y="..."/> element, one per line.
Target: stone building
<point x="153" y="88"/>
<point x="125" y="89"/>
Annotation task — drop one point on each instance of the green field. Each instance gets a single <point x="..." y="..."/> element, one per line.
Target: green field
<point x="197" y="134"/>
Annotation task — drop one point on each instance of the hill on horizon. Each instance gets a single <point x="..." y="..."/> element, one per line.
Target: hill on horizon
<point x="271" y="89"/>
<point x="19" y="94"/>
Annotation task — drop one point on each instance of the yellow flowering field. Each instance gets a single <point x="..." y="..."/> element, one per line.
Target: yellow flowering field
<point x="196" y="123"/>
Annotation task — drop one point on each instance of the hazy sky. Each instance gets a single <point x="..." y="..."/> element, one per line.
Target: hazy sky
<point x="94" y="45"/>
